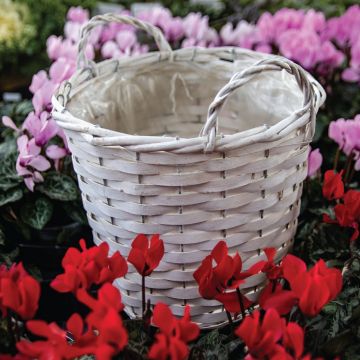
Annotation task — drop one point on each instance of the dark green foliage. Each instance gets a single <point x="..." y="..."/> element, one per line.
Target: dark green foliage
<point x="38" y="213"/>
<point x="10" y="196"/>
<point x="58" y="186"/>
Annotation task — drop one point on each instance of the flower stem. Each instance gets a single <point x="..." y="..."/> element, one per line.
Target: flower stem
<point x="229" y="318"/>
<point x="17" y="329"/>
<point x="143" y="295"/>
<point x="348" y="167"/>
<point x="10" y="331"/>
<point x="273" y="286"/>
<point x="336" y="160"/>
<point x="242" y="307"/>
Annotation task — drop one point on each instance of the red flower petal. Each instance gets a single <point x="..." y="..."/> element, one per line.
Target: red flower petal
<point x="294" y="339"/>
<point x="163" y="318"/>
<point x="137" y="258"/>
<point x="141" y="242"/>
<point x="231" y="303"/>
<point x="219" y="251"/>
<point x="333" y="186"/>
<point x="75" y="325"/>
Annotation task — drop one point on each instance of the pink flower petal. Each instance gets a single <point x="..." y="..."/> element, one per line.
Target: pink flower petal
<point x="38" y="81"/>
<point x="29" y="182"/>
<point x="40" y="163"/>
<point x="9" y="123"/>
<point x="55" y="152"/>
<point x="315" y="160"/>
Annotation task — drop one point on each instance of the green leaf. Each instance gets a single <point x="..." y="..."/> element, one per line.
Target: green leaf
<point x="68" y="232"/>
<point x="8" y="174"/>
<point x="211" y="346"/>
<point x="138" y="338"/>
<point x="9" y="182"/>
<point x="37" y="214"/>
<point x="10" y="196"/>
<point x="10" y="257"/>
<point x="8" y="147"/>
<point x="59" y="186"/>
<point x="24" y="108"/>
<point x="75" y="211"/>
<point x="2" y="237"/>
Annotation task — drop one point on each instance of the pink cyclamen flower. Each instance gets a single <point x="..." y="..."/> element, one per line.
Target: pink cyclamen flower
<point x="110" y="49"/>
<point x="126" y="40"/>
<point x="272" y="26"/>
<point x="174" y="29"/>
<point x="58" y="47"/>
<point x="78" y="14"/>
<point x="346" y="133"/>
<point x="239" y="35"/>
<point x="315" y="160"/>
<point x="38" y="80"/>
<point x="42" y="97"/>
<point x="344" y="29"/>
<point x="196" y="26"/>
<point x="314" y="20"/>
<point x="329" y="58"/>
<point x="300" y="46"/>
<point x="30" y="162"/>
<point x="42" y="128"/>
<point x="109" y="31"/>
<point x="157" y="16"/>
<point x="61" y="70"/>
<point x="72" y="31"/>
<point x="352" y="74"/>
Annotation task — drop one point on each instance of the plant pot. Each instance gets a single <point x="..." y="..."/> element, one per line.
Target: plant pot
<point x="45" y="253"/>
<point x="45" y="250"/>
<point x="55" y="306"/>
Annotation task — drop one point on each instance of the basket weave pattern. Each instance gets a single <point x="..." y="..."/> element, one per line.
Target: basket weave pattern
<point x="244" y="187"/>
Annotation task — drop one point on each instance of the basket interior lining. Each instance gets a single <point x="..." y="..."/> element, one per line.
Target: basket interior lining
<point x="172" y="98"/>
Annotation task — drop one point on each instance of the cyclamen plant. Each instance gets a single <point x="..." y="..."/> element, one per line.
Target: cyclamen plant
<point x="267" y="333"/>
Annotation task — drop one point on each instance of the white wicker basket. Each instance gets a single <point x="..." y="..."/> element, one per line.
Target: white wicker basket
<point x="239" y="180"/>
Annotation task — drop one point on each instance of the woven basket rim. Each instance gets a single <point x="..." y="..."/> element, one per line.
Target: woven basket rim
<point x="100" y="136"/>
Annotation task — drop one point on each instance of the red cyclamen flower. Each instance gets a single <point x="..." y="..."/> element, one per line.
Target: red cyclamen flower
<point x="103" y="335"/>
<point x="311" y="290"/>
<point x="262" y="337"/>
<point x="333" y="186"/>
<point x="146" y="256"/>
<point x="293" y="339"/>
<point x="105" y="319"/>
<point x="275" y="297"/>
<point x="91" y="266"/>
<point x="271" y="270"/>
<point x="55" y="343"/>
<point x="54" y="347"/>
<point x="271" y="338"/>
<point x="347" y="214"/>
<point x="19" y="291"/>
<point x="227" y="274"/>
<point x="171" y="341"/>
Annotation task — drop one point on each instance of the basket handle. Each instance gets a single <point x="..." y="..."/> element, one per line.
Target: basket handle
<point x="98" y="20"/>
<point x="238" y="79"/>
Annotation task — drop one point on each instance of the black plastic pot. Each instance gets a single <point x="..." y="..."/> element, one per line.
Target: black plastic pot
<point x="45" y="253"/>
<point x="44" y="250"/>
<point x="55" y="306"/>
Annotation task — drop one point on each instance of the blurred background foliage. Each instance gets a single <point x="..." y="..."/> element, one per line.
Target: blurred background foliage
<point x="41" y="18"/>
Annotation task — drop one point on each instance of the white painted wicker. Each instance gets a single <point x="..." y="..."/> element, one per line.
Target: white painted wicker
<point x="239" y="180"/>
